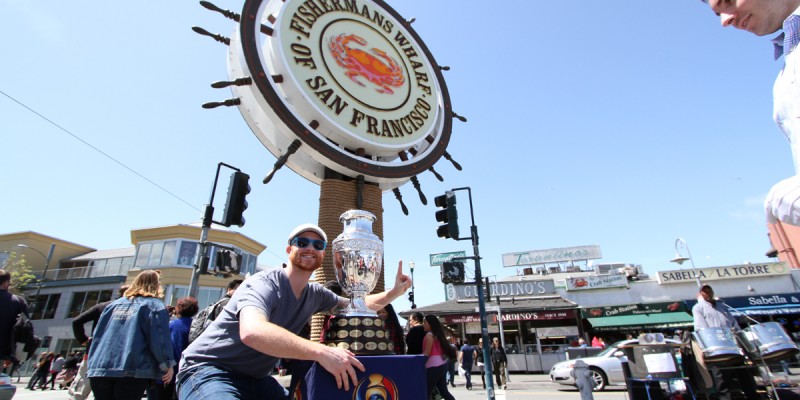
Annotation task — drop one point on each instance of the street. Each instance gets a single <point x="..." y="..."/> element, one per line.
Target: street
<point x="520" y="387"/>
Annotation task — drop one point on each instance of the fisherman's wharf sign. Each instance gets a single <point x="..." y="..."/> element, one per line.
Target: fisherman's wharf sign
<point x="348" y="82"/>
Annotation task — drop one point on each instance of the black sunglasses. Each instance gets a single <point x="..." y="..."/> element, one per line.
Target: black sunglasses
<point x="303" y="242"/>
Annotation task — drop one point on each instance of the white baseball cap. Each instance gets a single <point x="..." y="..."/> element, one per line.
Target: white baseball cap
<point x="307" y="228"/>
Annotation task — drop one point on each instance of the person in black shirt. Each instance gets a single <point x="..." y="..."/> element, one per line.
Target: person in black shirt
<point x="10" y="307"/>
<point x="499" y="363"/>
<point x="90" y="315"/>
<point x="415" y="334"/>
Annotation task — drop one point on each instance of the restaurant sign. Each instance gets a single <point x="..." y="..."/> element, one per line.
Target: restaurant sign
<point x="508" y="289"/>
<point x="634" y="309"/>
<point x="557" y="331"/>
<point x="596" y="282"/>
<point x="744" y="271"/>
<point x="562" y="254"/>
<point x="511" y="316"/>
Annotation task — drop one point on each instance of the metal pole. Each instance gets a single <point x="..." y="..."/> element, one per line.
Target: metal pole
<point x="691" y="260"/>
<point x="487" y="360"/>
<point x="481" y="301"/>
<point x="47" y="259"/>
<point x="502" y="335"/>
<point x="411" y="266"/>
<point x="202" y="251"/>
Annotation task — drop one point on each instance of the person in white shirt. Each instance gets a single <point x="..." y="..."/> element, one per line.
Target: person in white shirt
<point x="764" y="17"/>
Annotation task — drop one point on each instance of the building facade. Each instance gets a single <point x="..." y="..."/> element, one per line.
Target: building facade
<point x="76" y="277"/>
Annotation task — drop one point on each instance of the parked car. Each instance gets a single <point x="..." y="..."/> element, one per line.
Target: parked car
<point x="606" y="367"/>
<point x="7" y="390"/>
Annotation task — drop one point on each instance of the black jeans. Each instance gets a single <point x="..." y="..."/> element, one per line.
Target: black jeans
<point x="436" y="378"/>
<point x="119" y="388"/>
<point x="723" y="380"/>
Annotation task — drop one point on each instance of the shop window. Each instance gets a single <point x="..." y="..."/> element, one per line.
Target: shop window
<point x="45" y="306"/>
<point x="82" y="301"/>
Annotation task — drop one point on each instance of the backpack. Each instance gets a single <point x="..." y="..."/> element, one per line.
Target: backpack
<point x="204" y="318"/>
<point x="22" y="331"/>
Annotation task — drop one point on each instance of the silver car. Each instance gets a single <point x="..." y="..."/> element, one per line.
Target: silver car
<point x="606" y="367"/>
<point x="7" y="390"/>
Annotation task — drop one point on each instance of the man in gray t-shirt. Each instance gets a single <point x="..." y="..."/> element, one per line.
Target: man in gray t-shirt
<point x="234" y="355"/>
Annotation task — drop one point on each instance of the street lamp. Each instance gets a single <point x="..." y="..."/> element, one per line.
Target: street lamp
<point x="46" y="267"/>
<point x="411" y="267"/>
<point x="679" y="259"/>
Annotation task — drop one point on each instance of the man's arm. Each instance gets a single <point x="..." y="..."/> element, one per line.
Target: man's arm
<point x="257" y="332"/>
<point x="90" y="315"/>
<point x="401" y="284"/>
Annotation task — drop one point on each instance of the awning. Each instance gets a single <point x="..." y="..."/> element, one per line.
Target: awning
<point x="767" y="304"/>
<point x="652" y="321"/>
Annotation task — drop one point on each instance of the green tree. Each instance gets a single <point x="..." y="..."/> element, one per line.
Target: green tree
<point x="21" y="275"/>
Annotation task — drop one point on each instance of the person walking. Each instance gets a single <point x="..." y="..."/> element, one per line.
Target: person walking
<point x="131" y="345"/>
<point x="233" y="358"/>
<point x="81" y="388"/>
<point x="179" y="335"/>
<point x="479" y="361"/>
<point x="499" y="363"/>
<point x="39" y="376"/>
<point x="415" y="334"/>
<point x="451" y="363"/>
<point x="466" y="359"/>
<point x="438" y="350"/>
<point x="10" y="307"/>
<point x="55" y="368"/>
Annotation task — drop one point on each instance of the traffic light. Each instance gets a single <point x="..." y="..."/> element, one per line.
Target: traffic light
<point x="447" y="215"/>
<point x="411" y="299"/>
<point x="452" y="272"/>
<point x="236" y="204"/>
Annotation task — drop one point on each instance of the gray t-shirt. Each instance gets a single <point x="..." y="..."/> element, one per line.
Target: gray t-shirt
<point x="221" y="345"/>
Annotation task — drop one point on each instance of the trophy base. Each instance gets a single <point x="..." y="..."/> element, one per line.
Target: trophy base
<point x="358" y="334"/>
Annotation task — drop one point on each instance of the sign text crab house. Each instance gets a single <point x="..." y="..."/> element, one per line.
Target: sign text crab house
<point x="345" y="51"/>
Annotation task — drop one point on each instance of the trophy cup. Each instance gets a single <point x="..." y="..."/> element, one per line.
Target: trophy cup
<point x="358" y="261"/>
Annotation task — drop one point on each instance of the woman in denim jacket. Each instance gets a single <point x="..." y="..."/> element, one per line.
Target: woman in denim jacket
<point x="131" y="344"/>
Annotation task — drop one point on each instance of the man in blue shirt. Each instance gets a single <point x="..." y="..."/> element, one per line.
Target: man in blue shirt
<point x="466" y="358"/>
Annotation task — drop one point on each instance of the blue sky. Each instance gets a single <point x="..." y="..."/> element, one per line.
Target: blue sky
<point x="623" y="124"/>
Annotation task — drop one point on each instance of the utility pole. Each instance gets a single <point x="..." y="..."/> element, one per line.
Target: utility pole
<point x="487" y="361"/>
<point x="234" y="207"/>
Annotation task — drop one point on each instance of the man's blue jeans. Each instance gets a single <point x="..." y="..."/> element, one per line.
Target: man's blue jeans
<point x="212" y="382"/>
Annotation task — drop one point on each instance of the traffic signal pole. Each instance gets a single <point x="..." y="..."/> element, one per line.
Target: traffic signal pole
<point x="201" y="257"/>
<point x="487" y="358"/>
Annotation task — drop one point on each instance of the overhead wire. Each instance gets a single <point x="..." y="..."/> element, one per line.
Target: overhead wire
<point x="120" y="163"/>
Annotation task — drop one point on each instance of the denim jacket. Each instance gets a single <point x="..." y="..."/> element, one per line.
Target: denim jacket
<point x="131" y="340"/>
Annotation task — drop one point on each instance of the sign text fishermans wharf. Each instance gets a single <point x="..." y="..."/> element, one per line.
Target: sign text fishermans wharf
<point x="364" y="70"/>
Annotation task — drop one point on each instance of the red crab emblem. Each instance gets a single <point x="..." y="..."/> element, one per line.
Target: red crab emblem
<point x="375" y="66"/>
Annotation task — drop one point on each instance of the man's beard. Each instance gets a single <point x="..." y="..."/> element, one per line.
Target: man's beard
<point x="297" y="261"/>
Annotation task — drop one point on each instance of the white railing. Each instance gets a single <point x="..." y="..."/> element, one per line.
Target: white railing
<point x="86" y="272"/>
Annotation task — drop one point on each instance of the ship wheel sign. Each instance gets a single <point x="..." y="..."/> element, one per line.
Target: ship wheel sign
<point x="344" y="85"/>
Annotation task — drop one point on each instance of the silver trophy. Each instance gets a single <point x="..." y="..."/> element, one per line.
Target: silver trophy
<point x="358" y="260"/>
<point x="357" y="263"/>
